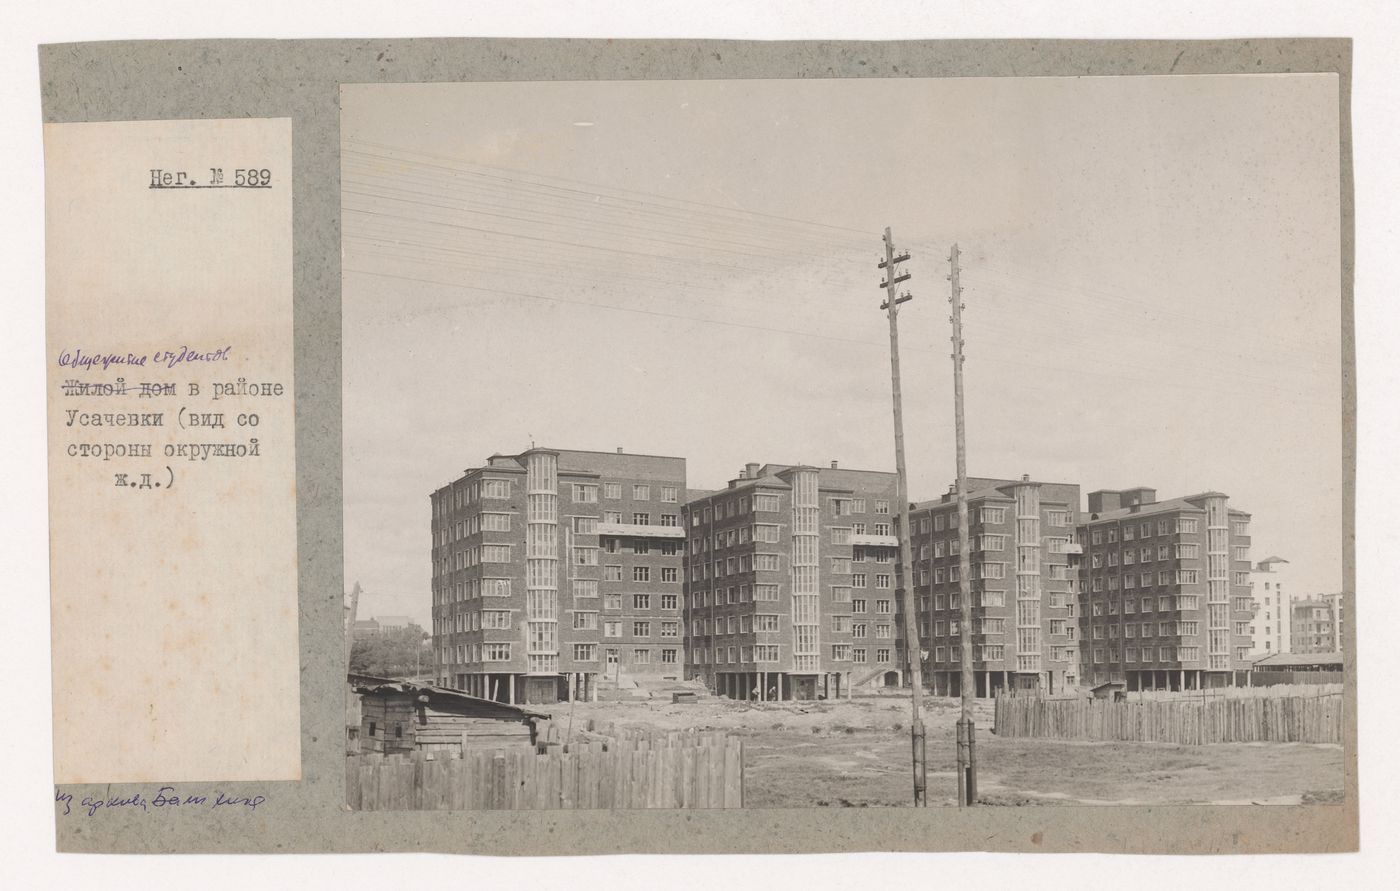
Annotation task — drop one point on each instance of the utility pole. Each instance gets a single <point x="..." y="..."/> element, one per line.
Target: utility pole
<point x="967" y="741"/>
<point x="350" y="624"/>
<point x="911" y="627"/>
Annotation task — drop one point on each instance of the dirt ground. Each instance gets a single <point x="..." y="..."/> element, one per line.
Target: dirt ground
<point x="857" y="754"/>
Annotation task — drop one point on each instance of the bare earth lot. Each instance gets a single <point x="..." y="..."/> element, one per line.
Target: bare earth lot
<point x="856" y="754"/>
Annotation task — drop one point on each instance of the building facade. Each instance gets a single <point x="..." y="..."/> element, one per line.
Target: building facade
<point x="790" y="583"/>
<point x="1273" y="613"/>
<point x="555" y="571"/>
<point x="1024" y="607"/>
<point x="1317" y="624"/>
<point x="1165" y="590"/>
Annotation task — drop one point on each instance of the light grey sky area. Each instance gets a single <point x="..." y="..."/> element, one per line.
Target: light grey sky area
<point x="1151" y="274"/>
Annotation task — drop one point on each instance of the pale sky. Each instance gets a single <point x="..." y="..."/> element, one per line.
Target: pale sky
<point x="1151" y="272"/>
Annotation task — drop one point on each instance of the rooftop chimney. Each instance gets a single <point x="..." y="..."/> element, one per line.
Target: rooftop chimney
<point x="750" y="471"/>
<point x="835" y="466"/>
<point x="619" y="450"/>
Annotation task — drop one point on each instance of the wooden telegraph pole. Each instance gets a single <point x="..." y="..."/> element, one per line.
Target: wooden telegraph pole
<point x="967" y="751"/>
<point x="911" y="628"/>
<point x="350" y="624"/>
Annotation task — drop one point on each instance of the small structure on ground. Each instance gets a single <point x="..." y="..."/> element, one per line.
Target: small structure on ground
<point x="400" y="716"/>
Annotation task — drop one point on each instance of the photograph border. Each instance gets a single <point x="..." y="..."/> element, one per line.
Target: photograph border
<point x="155" y="80"/>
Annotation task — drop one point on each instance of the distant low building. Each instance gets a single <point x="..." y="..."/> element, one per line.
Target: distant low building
<point x="388" y="624"/>
<point x="1316" y="625"/>
<point x="365" y="628"/>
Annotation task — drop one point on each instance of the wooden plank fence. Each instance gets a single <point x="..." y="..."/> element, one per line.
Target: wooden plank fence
<point x="1275" y="691"/>
<point x="636" y="770"/>
<point x="1309" y="719"/>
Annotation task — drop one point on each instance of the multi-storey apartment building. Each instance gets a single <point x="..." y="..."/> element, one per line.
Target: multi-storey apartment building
<point x="790" y="582"/>
<point x="1024" y="626"/>
<point x="1165" y="594"/>
<point x="1317" y="624"/>
<point x="1270" y="632"/>
<point x="555" y="569"/>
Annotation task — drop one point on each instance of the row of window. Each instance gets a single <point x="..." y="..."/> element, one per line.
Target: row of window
<point x="1157" y="654"/>
<point x="759" y="653"/>
<point x="471" y="494"/>
<point x="582" y="652"/>
<point x="1183" y="551"/>
<point x="587" y="493"/>
<point x="767" y="623"/>
<point x="1179" y="526"/>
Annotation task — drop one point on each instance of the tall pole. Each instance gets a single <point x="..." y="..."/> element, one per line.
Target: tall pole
<point x="350" y="624"/>
<point x="911" y="628"/>
<point x="967" y="753"/>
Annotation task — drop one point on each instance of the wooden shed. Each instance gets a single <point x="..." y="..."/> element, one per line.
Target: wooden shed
<point x="403" y="716"/>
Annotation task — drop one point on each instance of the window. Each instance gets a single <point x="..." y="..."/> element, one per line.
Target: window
<point x="495" y="587"/>
<point x="495" y="489"/>
<point x="585" y="652"/>
<point x="766" y="503"/>
<point x="495" y="618"/>
<point x="495" y="553"/>
<point x="668" y="494"/>
<point x="641" y="601"/>
<point x="882" y="655"/>
<point x="495" y="522"/>
<point x="1188" y="551"/>
<point x="993" y="515"/>
<point x="612" y="516"/>
<point x="641" y="519"/>
<point x="641" y="573"/>
<point x="641" y="657"/>
<point x="612" y="491"/>
<point x="765" y="532"/>
<point x="641" y="493"/>
<point x="612" y="628"/>
<point x="765" y="653"/>
<point x="670" y="629"/>
<point x="882" y="581"/>
<point x="585" y="493"/>
<point x="641" y="629"/>
<point x="767" y="562"/>
<point x="765" y="592"/>
<point x="495" y="652"/>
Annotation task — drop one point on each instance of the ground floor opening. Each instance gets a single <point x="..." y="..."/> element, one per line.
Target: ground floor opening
<point x="526" y="689"/>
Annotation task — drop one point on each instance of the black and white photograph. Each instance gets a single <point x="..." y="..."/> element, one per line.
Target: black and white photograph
<point x="844" y="442"/>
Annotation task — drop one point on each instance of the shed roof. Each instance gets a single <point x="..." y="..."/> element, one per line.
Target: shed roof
<point x="1289" y="660"/>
